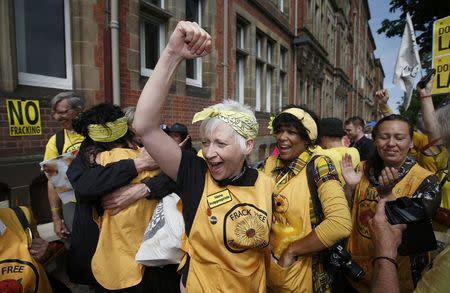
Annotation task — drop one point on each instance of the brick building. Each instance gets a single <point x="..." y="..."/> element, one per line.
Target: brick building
<point x="267" y="53"/>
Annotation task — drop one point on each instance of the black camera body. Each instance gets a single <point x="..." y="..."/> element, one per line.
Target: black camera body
<point x="405" y="210"/>
<point x="340" y="258"/>
<point x="418" y="236"/>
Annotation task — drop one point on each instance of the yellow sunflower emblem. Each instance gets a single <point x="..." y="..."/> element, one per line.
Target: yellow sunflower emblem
<point x="281" y="203"/>
<point x="249" y="233"/>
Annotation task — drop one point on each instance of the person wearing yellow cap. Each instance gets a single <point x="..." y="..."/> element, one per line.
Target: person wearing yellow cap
<point x="310" y="210"/>
<point x="227" y="206"/>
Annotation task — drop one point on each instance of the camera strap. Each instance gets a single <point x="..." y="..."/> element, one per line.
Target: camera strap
<point x="317" y="206"/>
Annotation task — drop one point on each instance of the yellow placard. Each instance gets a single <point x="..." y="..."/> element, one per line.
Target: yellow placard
<point x="441" y="84"/>
<point x="219" y="198"/>
<point x="441" y="37"/>
<point x="24" y="117"/>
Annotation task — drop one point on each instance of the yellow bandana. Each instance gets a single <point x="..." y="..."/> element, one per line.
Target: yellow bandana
<point x="303" y="117"/>
<point x="111" y="132"/>
<point x="242" y="123"/>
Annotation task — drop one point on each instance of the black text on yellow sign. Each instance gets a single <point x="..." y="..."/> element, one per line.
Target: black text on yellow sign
<point x="24" y="117"/>
<point x="441" y="37"/>
<point x="441" y="84"/>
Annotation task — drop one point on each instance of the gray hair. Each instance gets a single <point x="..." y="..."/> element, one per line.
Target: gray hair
<point x="209" y="125"/>
<point x="129" y="113"/>
<point x="443" y="119"/>
<point x="74" y="100"/>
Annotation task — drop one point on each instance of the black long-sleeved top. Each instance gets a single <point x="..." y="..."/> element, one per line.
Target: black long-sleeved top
<point x="90" y="184"/>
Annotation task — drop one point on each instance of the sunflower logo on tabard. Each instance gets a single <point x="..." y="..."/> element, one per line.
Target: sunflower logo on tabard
<point x="281" y="204"/>
<point x="249" y="232"/>
<point x="245" y="227"/>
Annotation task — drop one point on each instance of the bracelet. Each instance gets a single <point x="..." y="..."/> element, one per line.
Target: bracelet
<point x="386" y="258"/>
<point x="55" y="209"/>
<point x="425" y="97"/>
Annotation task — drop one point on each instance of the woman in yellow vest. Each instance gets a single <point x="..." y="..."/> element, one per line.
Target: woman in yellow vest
<point x="297" y="232"/>
<point x="227" y="206"/>
<point x="388" y="173"/>
<point x="21" y="253"/>
<point x="108" y="140"/>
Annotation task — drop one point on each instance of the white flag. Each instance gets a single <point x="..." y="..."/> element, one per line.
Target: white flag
<point x="408" y="62"/>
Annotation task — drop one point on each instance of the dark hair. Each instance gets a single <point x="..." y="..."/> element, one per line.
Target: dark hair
<point x="356" y="121"/>
<point x="99" y="114"/>
<point x="374" y="164"/>
<point x="331" y="127"/>
<point x="183" y="131"/>
<point x="289" y="120"/>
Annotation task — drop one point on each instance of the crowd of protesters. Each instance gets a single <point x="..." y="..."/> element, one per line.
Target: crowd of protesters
<point x="318" y="215"/>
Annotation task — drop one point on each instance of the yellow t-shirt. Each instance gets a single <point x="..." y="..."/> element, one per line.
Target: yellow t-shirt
<point x="336" y="154"/>
<point x="72" y="141"/>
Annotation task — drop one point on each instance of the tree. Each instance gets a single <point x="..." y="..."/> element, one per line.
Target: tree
<point x="423" y="14"/>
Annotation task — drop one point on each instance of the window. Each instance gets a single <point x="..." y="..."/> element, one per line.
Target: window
<point x="258" y="46"/>
<point x="281" y="90"/>
<point x="269" y="52"/>
<point x="43" y="40"/>
<point x="281" y="5"/>
<point x="283" y="53"/>
<point x="194" y="66"/>
<point x="241" y="59"/>
<point x="240" y="78"/>
<point x="153" y="39"/>
<point x="258" y="86"/>
<point x="268" y="89"/>
<point x="240" y="36"/>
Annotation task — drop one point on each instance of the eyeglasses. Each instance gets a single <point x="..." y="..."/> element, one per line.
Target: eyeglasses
<point x="62" y="112"/>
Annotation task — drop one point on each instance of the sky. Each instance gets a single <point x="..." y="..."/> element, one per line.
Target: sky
<point x="387" y="48"/>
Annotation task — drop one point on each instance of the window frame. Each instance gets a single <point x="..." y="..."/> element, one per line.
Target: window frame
<point x="162" y="43"/>
<point x="39" y="80"/>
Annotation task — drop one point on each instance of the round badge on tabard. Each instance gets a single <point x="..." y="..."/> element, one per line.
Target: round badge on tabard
<point x="213" y="220"/>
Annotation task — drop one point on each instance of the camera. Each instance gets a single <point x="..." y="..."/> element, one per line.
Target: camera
<point x="340" y="258"/>
<point x="405" y="210"/>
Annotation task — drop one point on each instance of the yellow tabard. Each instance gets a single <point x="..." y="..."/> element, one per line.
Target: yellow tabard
<point x="113" y="264"/>
<point x="18" y="270"/>
<point x="291" y="221"/>
<point x="228" y="241"/>
<point x="360" y="243"/>
<point x="336" y="154"/>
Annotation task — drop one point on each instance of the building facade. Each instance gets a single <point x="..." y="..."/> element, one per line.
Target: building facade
<point x="267" y="54"/>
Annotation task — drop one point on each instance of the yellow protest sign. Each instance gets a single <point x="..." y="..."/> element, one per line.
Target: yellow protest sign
<point x="24" y="117"/>
<point x="441" y="84"/>
<point x="441" y="55"/>
<point x="441" y="37"/>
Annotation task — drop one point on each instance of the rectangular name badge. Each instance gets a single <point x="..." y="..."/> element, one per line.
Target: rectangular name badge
<point x="219" y="198"/>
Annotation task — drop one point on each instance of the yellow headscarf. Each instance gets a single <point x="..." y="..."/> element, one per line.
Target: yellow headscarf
<point x="111" y="132"/>
<point x="303" y="117"/>
<point x="243" y="123"/>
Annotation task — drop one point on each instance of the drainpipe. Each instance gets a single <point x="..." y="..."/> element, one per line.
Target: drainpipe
<point x="295" y="52"/>
<point x="114" y="24"/>
<point x="225" y="49"/>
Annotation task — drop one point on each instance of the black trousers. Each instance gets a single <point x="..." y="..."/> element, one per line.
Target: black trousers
<point x="155" y="280"/>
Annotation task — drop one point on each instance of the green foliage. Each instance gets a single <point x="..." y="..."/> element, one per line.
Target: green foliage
<point x="423" y="14"/>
